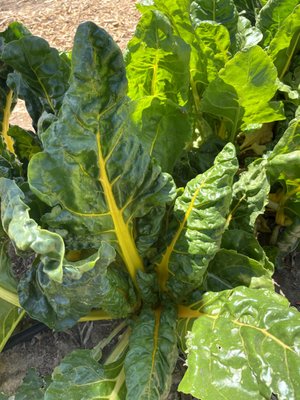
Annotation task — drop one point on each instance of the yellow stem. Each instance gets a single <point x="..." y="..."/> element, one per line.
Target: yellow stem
<point x="5" y="124"/>
<point x="10" y="297"/>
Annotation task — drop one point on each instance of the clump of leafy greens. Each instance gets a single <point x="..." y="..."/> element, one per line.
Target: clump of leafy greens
<point x="144" y="190"/>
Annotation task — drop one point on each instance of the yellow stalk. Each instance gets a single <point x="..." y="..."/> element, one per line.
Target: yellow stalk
<point x="5" y="125"/>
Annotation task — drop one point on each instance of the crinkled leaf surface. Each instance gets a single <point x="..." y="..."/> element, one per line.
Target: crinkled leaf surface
<point x="95" y="282"/>
<point x="41" y="67"/>
<point x="199" y="221"/>
<point x="97" y="175"/>
<point x="250" y="196"/>
<point x="158" y="74"/>
<point x="241" y="95"/>
<point x="286" y="42"/>
<point x="221" y="11"/>
<point x="32" y="388"/>
<point x="272" y="16"/>
<point x="245" y="344"/>
<point x="80" y="377"/>
<point x="10" y="314"/>
<point x="240" y="261"/>
<point x="152" y="354"/>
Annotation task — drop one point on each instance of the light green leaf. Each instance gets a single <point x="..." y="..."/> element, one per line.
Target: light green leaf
<point x="273" y="16"/>
<point x="286" y="42"/>
<point x="247" y="34"/>
<point x="164" y="128"/>
<point x="221" y="11"/>
<point x="245" y="344"/>
<point x="157" y="60"/>
<point x="241" y="95"/>
<point x="93" y="171"/>
<point x="250" y="196"/>
<point x="80" y="376"/>
<point x="152" y="354"/>
<point x="198" y="224"/>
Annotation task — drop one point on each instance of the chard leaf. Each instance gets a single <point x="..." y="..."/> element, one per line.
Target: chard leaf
<point x="33" y="387"/>
<point x="241" y="261"/>
<point x="156" y="61"/>
<point x="233" y="95"/>
<point x="80" y="376"/>
<point x="198" y="224"/>
<point x="243" y="335"/>
<point x="10" y="314"/>
<point x="95" y="282"/>
<point x="248" y="8"/>
<point x="96" y="175"/>
<point x="221" y="11"/>
<point x="158" y="74"/>
<point x="272" y="16"/>
<point x="152" y="354"/>
<point x="286" y="42"/>
<point x="26" y="144"/>
<point x="250" y="196"/>
<point x="247" y="34"/>
<point x="41" y="67"/>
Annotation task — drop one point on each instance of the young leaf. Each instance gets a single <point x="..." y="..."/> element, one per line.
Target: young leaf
<point x="286" y="42"/>
<point x="199" y="222"/>
<point x="272" y="16"/>
<point x="97" y="175"/>
<point x="250" y="196"/>
<point x="245" y="344"/>
<point x="233" y="95"/>
<point x="221" y="11"/>
<point x="80" y="376"/>
<point x="152" y="354"/>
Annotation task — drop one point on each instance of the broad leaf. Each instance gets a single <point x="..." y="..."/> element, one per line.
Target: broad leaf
<point x="158" y="75"/>
<point x="245" y="344"/>
<point x="233" y="96"/>
<point x="221" y="11"/>
<point x="94" y="282"/>
<point x="240" y="261"/>
<point x="286" y="42"/>
<point x="26" y="144"/>
<point x="10" y="314"/>
<point x="32" y="388"/>
<point x="152" y="354"/>
<point x="41" y="67"/>
<point x="80" y="376"/>
<point x="198" y="224"/>
<point x="250" y="196"/>
<point x="97" y="176"/>
<point x="272" y="16"/>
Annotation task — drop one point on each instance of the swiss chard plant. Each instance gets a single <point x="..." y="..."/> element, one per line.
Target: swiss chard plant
<point x="159" y="187"/>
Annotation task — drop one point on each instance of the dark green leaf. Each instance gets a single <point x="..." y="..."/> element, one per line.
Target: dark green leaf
<point x="41" y="67"/>
<point x="80" y="376"/>
<point x="199" y="221"/>
<point x="91" y="283"/>
<point x="32" y="388"/>
<point x="26" y="144"/>
<point x="152" y="354"/>
<point x="95" y="173"/>
<point x="245" y="344"/>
